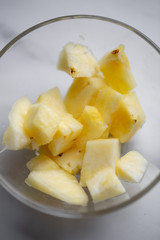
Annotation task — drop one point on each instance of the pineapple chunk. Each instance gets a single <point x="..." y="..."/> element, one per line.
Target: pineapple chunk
<point x="41" y="123"/>
<point x="52" y="98"/>
<point x="128" y="118"/>
<point x="59" y="184"/>
<point x="15" y="137"/>
<point x="77" y="61"/>
<point x="107" y="100"/>
<point x="99" y="154"/>
<point x="41" y="162"/>
<point x="80" y="93"/>
<point x="93" y="126"/>
<point x="131" y="167"/>
<point x="116" y="70"/>
<point x="104" y="185"/>
<point x="69" y="129"/>
<point x="71" y="160"/>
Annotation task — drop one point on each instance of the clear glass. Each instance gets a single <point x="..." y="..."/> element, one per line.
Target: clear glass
<point x="28" y="68"/>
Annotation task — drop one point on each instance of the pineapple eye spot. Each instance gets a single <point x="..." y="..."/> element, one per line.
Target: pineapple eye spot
<point x="115" y="51"/>
<point x="72" y="70"/>
<point x="60" y="155"/>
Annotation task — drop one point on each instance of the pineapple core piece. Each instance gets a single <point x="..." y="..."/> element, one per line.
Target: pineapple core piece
<point x="128" y="118"/>
<point x="104" y="184"/>
<point x="116" y="70"/>
<point x="15" y="136"/>
<point x="131" y="167"/>
<point x="69" y="129"/>
<point x="99" y="154"/>
<point x="48" y="178"/>
<point x="80" y="93"/>
<point x="53" y="99"/>
<point x="77" y="61"/>
<point x="41" y="123"/>
<point x="93" y="126"/>
<point x="107" y="100"/>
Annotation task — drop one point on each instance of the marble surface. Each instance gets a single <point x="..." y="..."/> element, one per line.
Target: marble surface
<point x="137" y="221"/>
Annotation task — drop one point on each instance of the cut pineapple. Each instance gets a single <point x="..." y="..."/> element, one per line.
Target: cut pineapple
<point x="41" y="162"/>
<point x="104" y="184"/>
<point x="71" y="160"/>
<point x="116" y="70"/>
<point x="99" y="154"/>
<point x="80" y="93"/>
<point x="15" y="137"/>
<point x="93" y="126"/>
<point x="77" y="61"/>
<point x="69" y="129"/>
<point x="41" y="123"/>
<point x="107" y="100"/>
<point x="59" y="184"/>
<point x="128" y="118"/>
<point x="52" y="98"/>
<point x="131" y="167"/>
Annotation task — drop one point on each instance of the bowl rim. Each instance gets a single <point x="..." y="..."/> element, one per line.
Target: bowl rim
<point x="26" y="200"/>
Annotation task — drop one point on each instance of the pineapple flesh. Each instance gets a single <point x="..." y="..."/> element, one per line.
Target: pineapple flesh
<point x="48" y="178"/>
<point x="77" y="61"/>
<point x="69" y="129"/>
<point x="104" y="184"/>
<point x="99" y="154"/>
<point x="116" y="70"/>
<point x="53" y="99"/>
<point x="15" y="136"/>
<point x="41" y="123"/>
<point x="93" y="126"/>
<point x="80" y="93"/>
<point x="107" y="100"/>
<point x="131" y="167"/>
<point x="128" y="118"/>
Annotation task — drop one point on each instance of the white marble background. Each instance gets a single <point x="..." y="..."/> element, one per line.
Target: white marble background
<point x="138" y="221"/>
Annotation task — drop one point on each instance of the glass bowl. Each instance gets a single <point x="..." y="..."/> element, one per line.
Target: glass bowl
<point x="28" y="68"/>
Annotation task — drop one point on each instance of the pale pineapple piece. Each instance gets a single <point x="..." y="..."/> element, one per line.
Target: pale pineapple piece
<point x="128" y="118"/>
<point x="77" y="61"/>
<point x="93" y="126"/>
<point x="104" y="184"/>
<point x="107" y="100"/>
<point x="71" y="160"/>
<point x="80" y="93"/>
<point x="99" y="154"/>
<point x="116" y="70"/>
<point x="69" y="129"/>
<point x="131" y="167"/>
<point x="53" y="99"/>
<point x="59" y="184"/>
<point x="15" y="136"/>
<point x="41" y="162"/>
<point x="41" y="123"/>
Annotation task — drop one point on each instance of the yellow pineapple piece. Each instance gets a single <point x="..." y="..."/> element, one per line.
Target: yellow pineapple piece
<point x="99" y="154"/>
<point x="71" y="160"/>
<point x="128" y="118"/>
<point x="41" y="123"/>
<point x="80" y="93"/>
<point x="15" y="136"/>
<point x="57" y="183"/>
<point x="104" y="184"/>
<point x="107" y="100"/>
<point x="53" y="99"/>
<point x="93" y="126"/>
<point x="77" y="61"/>
<point x="69" y="129"/>
<point x="131" y="167"/>
<point x="41" y="162"/>
<point x="116" y="70"/>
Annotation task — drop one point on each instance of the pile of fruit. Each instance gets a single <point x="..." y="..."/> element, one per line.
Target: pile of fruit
<point x="82" y="133"/>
